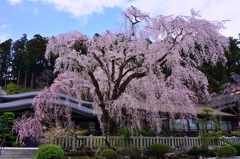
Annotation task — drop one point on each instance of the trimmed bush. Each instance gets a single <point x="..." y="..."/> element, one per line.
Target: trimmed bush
<point x="49" y="151"/>
<point x="131" y="151"/>
<point x="209" y="153"/>
<point x="237" y="147"/>
<point x="201" y="151"/>
<point x="226" y="151"/>
<point x="109" y="154"/>
<point x="160" y="149"/>
<point x="195" y="152"/>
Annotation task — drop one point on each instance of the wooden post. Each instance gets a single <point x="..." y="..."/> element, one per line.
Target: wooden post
<point x="172" y="141"/>
<point x="91" y="141"/>
<point x="73" y="143"/>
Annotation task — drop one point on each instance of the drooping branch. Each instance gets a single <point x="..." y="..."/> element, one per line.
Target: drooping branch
<point x="128" y="80"/>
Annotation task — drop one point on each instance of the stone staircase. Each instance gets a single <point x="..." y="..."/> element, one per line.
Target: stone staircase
<point x="18" y="153"/>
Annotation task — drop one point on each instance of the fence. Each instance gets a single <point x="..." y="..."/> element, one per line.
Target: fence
<point x="140" y="141"/>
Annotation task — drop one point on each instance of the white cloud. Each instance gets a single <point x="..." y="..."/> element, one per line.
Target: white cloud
<point x="35" y="11"/>
<point x="209" y="9"/>
<point x="3" y="36"/>
<point x="84" y="7"/>
<point x="14" y="2"/>
<point x="4" y="26"/>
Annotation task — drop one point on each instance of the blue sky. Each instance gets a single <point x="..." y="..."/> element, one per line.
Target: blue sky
<point x="53" y="17"/>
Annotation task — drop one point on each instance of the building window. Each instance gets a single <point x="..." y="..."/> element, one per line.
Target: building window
<point x="193" y="126"/>
<point x="179" y="124"/>
<point x="91" y="125"/>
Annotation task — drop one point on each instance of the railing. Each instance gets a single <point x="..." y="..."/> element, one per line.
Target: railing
<point x="140" y="141"/>
<point x="1" y="146"/>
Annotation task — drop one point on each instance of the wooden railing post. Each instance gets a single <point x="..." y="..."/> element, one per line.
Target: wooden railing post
<point x="91" y="141"/>
<point x="74" y="143"/>
<point x="172" y="139"/>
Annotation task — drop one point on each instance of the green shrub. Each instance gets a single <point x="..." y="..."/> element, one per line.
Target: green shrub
<point x="6" y="119"/>
<point x="49" y="151"/>
<point x="13" y="89"/>
<point x="237" y="147"/>
<point x="145" y="131"/>
<point x="109" y="154"/>
<point x="160" y="149"/>
<point x="235" y="133"/>
<point x="201" y="151"/>
<point x="15" y="144"/>
<point x="8" y="116"/>
<point x="131" y="151"/>
<point x="10" y="137"/>
<point x="226" y="151"/>
<point x="163" y="134"/>
<point x="7" y="130"/>
<point x="123" y="131"/>
<point x="195" y="152"/>
<point x="209" y="153"/>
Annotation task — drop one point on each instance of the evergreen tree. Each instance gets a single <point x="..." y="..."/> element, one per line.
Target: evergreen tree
<point x="5" y="60"/>
<point x="18" y="68"/>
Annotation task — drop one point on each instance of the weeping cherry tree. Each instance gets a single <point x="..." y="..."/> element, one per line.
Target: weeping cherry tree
<point x="142" y="72"/>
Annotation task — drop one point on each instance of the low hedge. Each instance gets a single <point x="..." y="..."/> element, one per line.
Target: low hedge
<point x="109" y="154"/>
<point x="49" y="151"/>
<point x="160" y="149"/>
<point x="226" y="151"/>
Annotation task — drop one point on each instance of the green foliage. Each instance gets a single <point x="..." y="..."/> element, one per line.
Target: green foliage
<point x="209" y="118"/>
<point x="15" y="144"/>
<point x="6" y="130"/>
<point x="123" y="131"/>
<point x="145" y="131"/>
<point x="131" y="151"/>
<point x="10" y="136"/>
<point x="8" y="115"/>
<point x="6" y="120"/>
<point x="201" y="151"/>
<point x="235" y="133"/>
<point x="207" y="152"/>
<point x="237" y="147"/>
<point x="195" y="152"/>
<point x="219" y="74"/>
<point x="160" y="149"/>
<point x="12" y="88"/>
<point x="226" y="151"/>
<point x="109" y="154"/>
<point x="49" y="151"/>
<point x="163" y="134"/>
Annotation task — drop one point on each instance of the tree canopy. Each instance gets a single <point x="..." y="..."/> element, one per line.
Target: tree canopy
<point x="144" y="71"/>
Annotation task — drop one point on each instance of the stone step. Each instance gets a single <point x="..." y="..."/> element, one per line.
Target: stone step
<point x="18" y="153"/>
